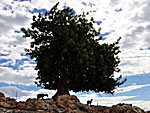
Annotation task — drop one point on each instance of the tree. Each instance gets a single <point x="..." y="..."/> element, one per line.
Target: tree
<point x="68" y="56"/>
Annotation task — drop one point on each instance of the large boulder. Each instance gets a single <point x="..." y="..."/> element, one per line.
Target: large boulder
<point x="62" y="104"/>
<point x="125" y="108"/>
<point x="5" y="105"/>
<point x="66" y="101"/>
<point x="68" y="104"/>
<point x="2" y="97"/>
<point x="2" y="94"/>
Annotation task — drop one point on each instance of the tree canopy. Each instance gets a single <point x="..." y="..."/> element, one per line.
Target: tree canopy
<point x="68" y="56"/>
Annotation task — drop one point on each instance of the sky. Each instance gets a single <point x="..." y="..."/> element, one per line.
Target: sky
<point x="129" y="19"/>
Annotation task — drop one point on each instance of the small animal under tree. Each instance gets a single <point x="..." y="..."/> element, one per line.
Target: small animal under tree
<point x="89" y="102"/>
<point x="41" y="96"/>
<point x="68" y="56"/>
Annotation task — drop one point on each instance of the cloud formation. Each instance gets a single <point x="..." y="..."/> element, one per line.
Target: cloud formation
<point x="128" y="19"/>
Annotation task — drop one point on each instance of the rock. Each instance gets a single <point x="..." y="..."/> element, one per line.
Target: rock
<point x="2" y="110"/>
<point x="3" y="99"/>
<point x="31" y="100"/>
<point x="2" y="94"/>
<point x="71" y="104"/>
<point x="5" y="105"/>
<point x="125" y="108"/>
<point x="101" y="109"/>
<point x="10" y="99"/>
<point x="63" y="104"/>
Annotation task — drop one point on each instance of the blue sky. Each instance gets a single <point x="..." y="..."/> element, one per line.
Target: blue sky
<point x="129" y="19"/>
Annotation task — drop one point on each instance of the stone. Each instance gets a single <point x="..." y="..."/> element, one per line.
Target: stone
<point x="2" y="94"/>
<point x="10" y="99"/>
<point x="63" y="104"/>
<point x="31" y="100"/>
<point x="5" y="105"/>
<point x="125" y="108"/>
<point x="3" y="99"/>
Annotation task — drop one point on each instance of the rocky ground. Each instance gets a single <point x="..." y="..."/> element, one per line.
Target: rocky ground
<point x="63" y="104"/>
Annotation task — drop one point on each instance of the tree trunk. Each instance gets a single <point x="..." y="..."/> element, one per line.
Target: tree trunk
<point x="62" y="87"/>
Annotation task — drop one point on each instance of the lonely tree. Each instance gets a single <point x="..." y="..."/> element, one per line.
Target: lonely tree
<point x="68" y="56"/>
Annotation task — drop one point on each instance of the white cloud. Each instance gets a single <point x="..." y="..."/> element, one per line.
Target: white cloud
<point x="135" y="62"/>
<point x="110" y="101"/>
<point x="103" y="101"/>
<point x="26" y="76"/>
<point x="33" y="94"/>
<point x="23" y="95"/>
<point x="12" y="91"/>
<point x="129" y="88"/>
<point x="142" y="104"/>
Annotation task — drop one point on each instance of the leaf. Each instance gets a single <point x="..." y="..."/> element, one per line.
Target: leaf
<point x="63" y="45"/>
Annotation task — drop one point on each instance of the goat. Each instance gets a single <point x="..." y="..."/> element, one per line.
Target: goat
<point x="41" y="96"/>
<point x="89" y="102"/>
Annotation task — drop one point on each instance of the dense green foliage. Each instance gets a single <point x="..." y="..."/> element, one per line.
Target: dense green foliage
<point x="63" y="46"/>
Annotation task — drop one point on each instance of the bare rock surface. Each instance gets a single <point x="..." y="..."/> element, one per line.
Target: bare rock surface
<point x="126" y="108"/>
<point x="63" y="104"/>
<point x="2" y="94"/>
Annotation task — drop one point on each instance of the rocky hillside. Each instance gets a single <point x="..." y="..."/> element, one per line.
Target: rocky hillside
<point x="63" y="104"/>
